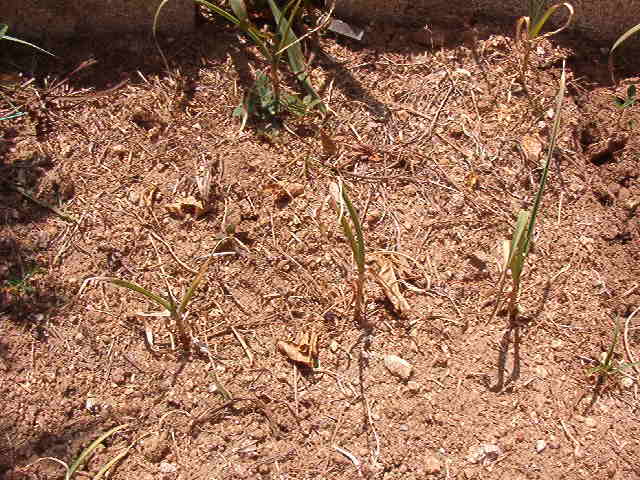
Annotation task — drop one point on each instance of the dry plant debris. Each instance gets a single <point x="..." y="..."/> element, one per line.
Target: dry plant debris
<point x="438" y="148"/>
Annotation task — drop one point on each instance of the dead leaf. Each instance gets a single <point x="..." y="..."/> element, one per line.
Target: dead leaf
<point x="472" y="180"/>
<point x="284" y="190"/>
<point x="303" y="350"/>
<point x="532" y="147"/>
<point x="386" y="278"/>
<point x="329" y="147"/>
<point x="186" y="206"/>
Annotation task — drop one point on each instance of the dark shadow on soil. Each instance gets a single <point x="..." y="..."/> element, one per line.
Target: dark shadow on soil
<point x="511" y="336"/>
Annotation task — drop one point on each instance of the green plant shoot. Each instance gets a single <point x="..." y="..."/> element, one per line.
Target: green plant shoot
<point x="606" y="367"/>
<point x="516" y="251"/>
<point x="348" y="217"/>
<point x="3" y="36"/>
<point x="532" y="26"/>
<point x="176" y="311"/>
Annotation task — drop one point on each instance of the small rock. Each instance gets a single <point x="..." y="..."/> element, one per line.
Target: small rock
<point x="432" y="465"/>
<point x="626" y="382"/>
<point x="166" y="467"/>
<point x="556" y="343"/>
<point x="542" y="372"/>
<point x="404" y="427"/>
<point x="540" y="445"/>
<point x="134" y="197"/>
<point x="398" y="366"/>
<point x="485" y="453"/>
<point x="590" y="422"/>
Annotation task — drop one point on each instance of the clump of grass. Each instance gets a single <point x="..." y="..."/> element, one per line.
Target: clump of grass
<point x="352" y="228"/>
<point x="172" y="309"/>
<point x="266" y="98"/>
<point x="528" y="29"/>
<point x="606" y="366"/>
<point x="517" y="250"/>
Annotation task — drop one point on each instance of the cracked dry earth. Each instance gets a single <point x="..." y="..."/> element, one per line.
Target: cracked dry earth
<point x="438" y="158"/>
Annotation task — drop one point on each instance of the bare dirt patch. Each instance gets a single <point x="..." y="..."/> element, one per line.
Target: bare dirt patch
<point x="436" y="149"/>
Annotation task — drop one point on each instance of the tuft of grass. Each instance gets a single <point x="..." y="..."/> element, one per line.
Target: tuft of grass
<point x="606" y="366"/>
<point x="176" y="311"/>
<point x="528" y="29"/>
<point x="352" y="228"/>
<point x="265" y="99"/>
<point x="516" y="250"/>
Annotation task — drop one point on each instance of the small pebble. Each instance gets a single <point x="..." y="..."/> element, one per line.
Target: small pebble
<point x="166" y="467"/>
<point x="404" y="427"/>
<point x="432" y="465"/>
<point x="398" y="366"/>
<point x="540" y="445"/>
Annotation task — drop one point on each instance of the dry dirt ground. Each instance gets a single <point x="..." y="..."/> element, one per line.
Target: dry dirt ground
<point x="439" y="150"/>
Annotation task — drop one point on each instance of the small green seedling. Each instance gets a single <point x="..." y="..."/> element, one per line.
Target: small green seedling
<point x="70" y="471"/>
<point x="352" y="228"/>
<point x="621" y="39"/>
<point x="172" y="309"/>
<point x="628" y="101"/>
<point x="3" y="36"/>
<point x="21" y="285"/>
<point x="528" y="29"/>
<point x="266" y="98"/>
<point x="606" y="366"/>
<point x="625" y="103"/>
<point x="516" y="250"/>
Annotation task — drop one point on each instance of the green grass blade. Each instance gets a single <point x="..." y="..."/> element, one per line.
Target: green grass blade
<point x="87" y="451"/>
<point x="624" y="37"/>
<point x="136" y="288"/>
<point x="294" y="53"/>
<point x="194" y="285"/>
<point x="243" y="24"/>
<point x="359" y="237"/>
<point x="4" y="36"/>
<point x="240" y="9"/>
<point x="552" y="147"/>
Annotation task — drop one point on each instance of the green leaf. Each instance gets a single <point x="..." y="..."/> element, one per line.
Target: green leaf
<point x="631" y="92"/>
<point x="289" y="40"/>
<point x="3" y="35"/>
<point x="87" y="451"/>
<point x="619" y="101"/>
<point x="134" y="287"/>
<point x="624" y="37"/>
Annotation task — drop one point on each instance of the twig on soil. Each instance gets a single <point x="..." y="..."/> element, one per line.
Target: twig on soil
<point x="625" y="341"/>
<point x="576" y="444"/>
<point x="173" y="255"/>
<point x="54" y="209"/>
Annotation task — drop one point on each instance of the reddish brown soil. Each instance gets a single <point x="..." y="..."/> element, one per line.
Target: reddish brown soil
<point x="439" y="157"/>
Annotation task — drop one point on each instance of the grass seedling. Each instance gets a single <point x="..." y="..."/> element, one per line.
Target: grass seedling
<point x="265" y="98"/>
<point x="3" y="36"/>
<point x="352" y="228"/>
<point x="621" y="39"/>
<point x="625" y="103"/>
<point x="516" y="250"/>
<point x="528" y="29"/>
<point x="606" y="366"/>
<point x="70" y="471"/>
<point x="172" y="309"/>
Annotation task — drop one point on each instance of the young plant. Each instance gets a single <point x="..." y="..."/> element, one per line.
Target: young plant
<point x="70" y="471"/>
<point x="621" y="39"/>
<point x="516" y="250"/>
<point x="352" y="228"/>
<point x="4" y="36"/>
<point x="605" y="365"/>
<point x="272" y="45"/>
<point x="528" y="29"/>
<point x="625" y="103"/>
<point x="172" y="309"/>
